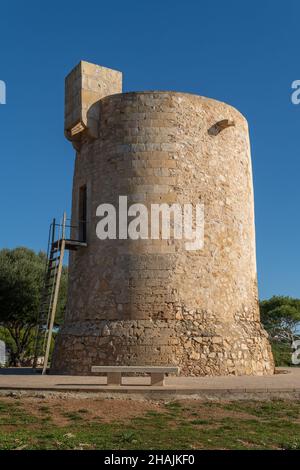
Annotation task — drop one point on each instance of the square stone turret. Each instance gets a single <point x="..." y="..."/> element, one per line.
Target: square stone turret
<point x="85" y="85"/>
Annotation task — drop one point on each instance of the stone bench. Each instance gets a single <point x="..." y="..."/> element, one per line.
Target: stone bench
<point x="114" y="373"/>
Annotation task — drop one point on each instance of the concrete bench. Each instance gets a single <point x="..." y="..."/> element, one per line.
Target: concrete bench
<point x="114" y="373"/>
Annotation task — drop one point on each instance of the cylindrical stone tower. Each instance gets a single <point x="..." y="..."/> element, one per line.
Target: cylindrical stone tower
<point x="153" y="301"/>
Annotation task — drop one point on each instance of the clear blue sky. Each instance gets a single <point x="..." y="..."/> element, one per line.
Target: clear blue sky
<point x="243" y="53"/>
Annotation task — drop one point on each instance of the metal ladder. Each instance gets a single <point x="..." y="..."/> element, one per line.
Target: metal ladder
<point x="49" y="297"/>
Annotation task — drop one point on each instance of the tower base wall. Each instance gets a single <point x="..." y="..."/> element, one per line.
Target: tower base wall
<point x="238" y="349"/>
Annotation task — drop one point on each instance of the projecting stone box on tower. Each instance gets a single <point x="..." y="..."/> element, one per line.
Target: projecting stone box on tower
<point x="152" y="301"/>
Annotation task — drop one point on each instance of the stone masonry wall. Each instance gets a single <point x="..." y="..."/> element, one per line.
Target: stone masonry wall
<point x="152" y="302"/>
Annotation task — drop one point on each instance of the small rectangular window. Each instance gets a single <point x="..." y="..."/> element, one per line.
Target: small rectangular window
<point x="82" y="213"/>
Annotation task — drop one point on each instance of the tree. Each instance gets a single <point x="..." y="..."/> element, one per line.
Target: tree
<point x="281" y="317"/>
<point x="21" y="280"/>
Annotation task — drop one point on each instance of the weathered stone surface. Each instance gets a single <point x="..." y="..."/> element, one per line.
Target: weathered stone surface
<point x="85" y="85"/>
<point x="151" y="301"/>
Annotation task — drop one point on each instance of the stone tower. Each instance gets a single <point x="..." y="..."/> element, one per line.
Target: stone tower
<point x="152" y="301"/>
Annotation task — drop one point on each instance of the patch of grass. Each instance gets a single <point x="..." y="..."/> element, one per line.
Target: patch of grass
<point x="4" y="407"/>
<point x="15" y="416"/>
<point x="175" y="408"/>
<point x="273" y="409"/>
<point x="46" y="419"/>
<point x="200" y="421"/>
<point x="73" y="416"/>
<point x="127" y="437"/>
<point x="292" y="445"/>
<point x="44" y="409"/>
<point x="236" y="425"/>
<point x="174" y="405"/>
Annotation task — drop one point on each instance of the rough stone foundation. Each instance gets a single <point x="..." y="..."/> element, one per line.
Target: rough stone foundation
<point x="184" y="343"/>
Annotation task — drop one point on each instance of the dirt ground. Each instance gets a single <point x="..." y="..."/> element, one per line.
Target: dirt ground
<point x="62" y="408"/>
